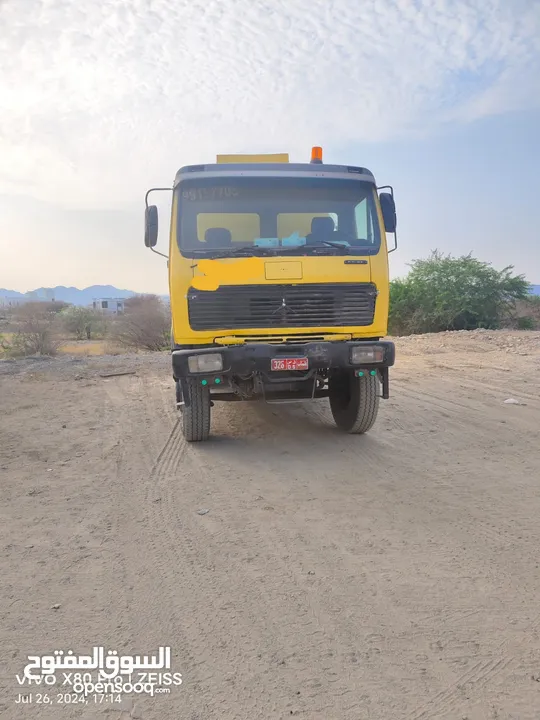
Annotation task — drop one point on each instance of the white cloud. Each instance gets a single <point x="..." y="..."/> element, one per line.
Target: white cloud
<point x="99" y="102"/>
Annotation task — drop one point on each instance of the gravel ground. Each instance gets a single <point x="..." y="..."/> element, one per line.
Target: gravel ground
<point x="294" y="571"/>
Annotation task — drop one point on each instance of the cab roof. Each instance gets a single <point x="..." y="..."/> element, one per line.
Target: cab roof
<point x="274" y="170"/>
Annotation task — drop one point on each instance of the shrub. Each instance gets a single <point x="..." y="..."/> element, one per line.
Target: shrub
<point x="527" y="314"/>
<point x="37" y="330"/>
<point x="525" y="322"/>
<point x="446" y="293"/>
<point x="83" y="322"/>
<point x="144" y="324"/>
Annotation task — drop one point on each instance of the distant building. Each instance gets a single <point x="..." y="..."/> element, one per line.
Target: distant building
<point x="7" y="302"/>
<point x="109" y="305"/>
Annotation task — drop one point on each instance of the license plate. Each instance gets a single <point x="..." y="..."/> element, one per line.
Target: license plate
<point x="289" y="364"/>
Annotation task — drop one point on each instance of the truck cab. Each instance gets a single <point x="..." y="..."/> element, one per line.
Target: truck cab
<point x="279" y="287"/>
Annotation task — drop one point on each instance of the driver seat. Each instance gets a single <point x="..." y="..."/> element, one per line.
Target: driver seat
<point x="322" y="228"/>
<point x="218" y="237"/>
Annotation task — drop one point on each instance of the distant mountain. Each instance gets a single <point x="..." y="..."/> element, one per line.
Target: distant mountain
<point x="10" y="294"/>
<point x="74" y="296"/>
<point x="71" y="295"/>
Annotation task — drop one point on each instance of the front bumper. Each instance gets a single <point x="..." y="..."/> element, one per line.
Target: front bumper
<point x="251" y="358"/>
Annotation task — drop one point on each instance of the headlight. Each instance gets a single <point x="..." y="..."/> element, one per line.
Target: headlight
<point x="367" y="355"/>
<point x="212" y="362"/>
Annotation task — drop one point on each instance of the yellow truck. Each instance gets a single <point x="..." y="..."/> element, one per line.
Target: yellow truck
<point x="279" y="286"/>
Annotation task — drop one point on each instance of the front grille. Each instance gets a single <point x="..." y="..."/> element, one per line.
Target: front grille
<point x="272" y="306"/>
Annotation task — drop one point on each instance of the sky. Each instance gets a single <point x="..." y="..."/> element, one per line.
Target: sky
<point x="99" y="102"/>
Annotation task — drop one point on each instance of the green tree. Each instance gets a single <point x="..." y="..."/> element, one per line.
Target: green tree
<point x="81" y="321"/>
<point x="447" y="293"/>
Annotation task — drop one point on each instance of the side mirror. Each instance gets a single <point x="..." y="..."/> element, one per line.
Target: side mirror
<point x="150" y="226"/>
<point x="388" y="208"/>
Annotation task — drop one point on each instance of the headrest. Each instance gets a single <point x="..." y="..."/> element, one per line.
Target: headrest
<point x="218" y="237"/>
<point x="322" y="225"/>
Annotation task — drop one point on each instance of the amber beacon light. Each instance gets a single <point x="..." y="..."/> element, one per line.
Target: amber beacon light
<point x="316" y="155"/>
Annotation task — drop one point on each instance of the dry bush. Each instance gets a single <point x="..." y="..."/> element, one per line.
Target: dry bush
<point x="526" y="315"/>
<point x="37" y="329"/>
<point x="54" y="306"/>
<point x="5" y="345"/>
<point x="113" y="348"/>
<point x="144" y="324"/>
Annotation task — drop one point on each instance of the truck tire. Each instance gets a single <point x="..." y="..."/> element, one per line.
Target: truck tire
<point x="354" y="401"/>
<point x="196" y="415"/>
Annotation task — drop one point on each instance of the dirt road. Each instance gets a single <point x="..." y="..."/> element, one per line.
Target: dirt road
<point x="394" y="575"/>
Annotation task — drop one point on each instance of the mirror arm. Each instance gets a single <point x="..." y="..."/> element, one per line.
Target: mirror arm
<point x="155" y="190"/>
<point x="158" y="253"/>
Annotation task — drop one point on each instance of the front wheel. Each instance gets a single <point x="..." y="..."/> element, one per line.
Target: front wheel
<point x="196" y="414"/>
<point x="354" y="401"/>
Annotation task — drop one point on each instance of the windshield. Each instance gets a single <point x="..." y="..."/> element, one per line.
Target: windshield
<point x="277" y="215"/>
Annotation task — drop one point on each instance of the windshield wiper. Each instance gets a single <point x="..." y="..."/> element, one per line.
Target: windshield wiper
<point x="325" y="245"/>
<point x="230" y="252"/>
<point x="321" y="248"/>
<point x="252" y="251"/>
<point x="333" y="243"/>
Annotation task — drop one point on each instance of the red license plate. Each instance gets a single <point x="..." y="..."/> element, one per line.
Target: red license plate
<point x="289" y="364"/>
